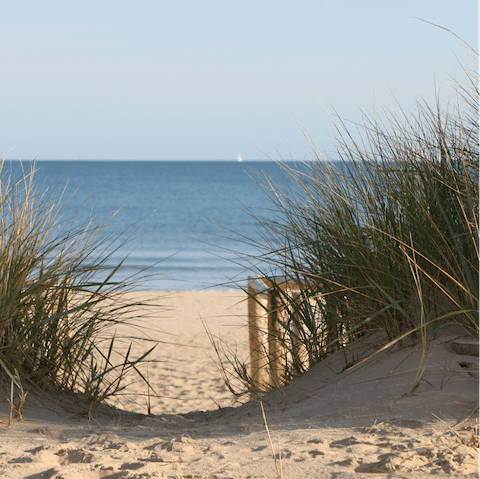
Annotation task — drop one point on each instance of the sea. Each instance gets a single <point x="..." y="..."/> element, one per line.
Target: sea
<point x="187" y="223"/>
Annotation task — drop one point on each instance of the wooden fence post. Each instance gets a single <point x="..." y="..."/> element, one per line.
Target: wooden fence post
<point x="258" y="332"/>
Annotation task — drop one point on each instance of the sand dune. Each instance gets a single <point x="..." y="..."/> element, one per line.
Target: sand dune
<point x="333" y="422"/>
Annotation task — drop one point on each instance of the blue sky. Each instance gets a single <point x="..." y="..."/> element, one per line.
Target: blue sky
<point x="208" y="79"/>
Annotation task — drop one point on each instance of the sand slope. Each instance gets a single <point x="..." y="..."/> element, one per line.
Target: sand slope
<point x="330" y="423"/>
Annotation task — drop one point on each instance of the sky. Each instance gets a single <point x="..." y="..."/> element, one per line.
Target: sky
<point x="212" y="79"/>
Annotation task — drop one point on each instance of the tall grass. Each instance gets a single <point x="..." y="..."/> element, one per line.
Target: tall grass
<point x="384" y="234"/>
<point x="56" y="316"/>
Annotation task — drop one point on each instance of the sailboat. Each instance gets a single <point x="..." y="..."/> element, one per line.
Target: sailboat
<point x="239" y="158"/>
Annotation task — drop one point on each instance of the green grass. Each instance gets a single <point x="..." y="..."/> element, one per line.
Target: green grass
<point x="385" y="237"/>
<point x="56" y="317"/>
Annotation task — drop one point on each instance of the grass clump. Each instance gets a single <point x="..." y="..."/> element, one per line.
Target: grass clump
<point x="56" y="315"/>
<point x="383" y="235"/>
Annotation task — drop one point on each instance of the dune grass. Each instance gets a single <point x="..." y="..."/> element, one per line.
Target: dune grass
<point x="382" y="235"/>
<point x="56" y="316"/>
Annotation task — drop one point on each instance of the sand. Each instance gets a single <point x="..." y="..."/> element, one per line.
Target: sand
<point x="333" y="422"/>
<point x="183" y="368"/>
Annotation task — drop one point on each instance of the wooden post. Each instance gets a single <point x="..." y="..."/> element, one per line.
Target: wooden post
<point x="299" y="354"/>
<point x="276" y="339"/>
<point x="258" y="319"/>
<point x="268" y="353"/>
<point x="270" y="345"/>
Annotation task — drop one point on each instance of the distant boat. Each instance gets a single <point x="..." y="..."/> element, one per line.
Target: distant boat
<point x="239" y="158"/>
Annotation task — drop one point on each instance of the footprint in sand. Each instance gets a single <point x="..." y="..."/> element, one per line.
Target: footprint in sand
<point x="48" y="474"/>
<point x="20" y="460"/>
<point x="348" y="441"/>
<point x="315" y="441"/>
<point x="131" y="466"/>
<point x="345" y="463"/>
<point x="74" y="456"/>
<point x="259" y="448"/>
<point x="184" y="444"/>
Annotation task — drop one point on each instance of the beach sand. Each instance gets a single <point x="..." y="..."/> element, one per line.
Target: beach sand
<point x="333" y="422"/>
<point x="183" y="370"/>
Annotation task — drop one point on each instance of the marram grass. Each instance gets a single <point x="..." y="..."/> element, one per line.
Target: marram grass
<point x="55" y="314"/>
<point x="383" y="235"/>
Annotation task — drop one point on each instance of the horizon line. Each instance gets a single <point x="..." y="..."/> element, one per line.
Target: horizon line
<point x="152" y="160"/>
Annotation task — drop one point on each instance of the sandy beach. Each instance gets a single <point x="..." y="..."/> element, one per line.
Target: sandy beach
<point x="183" y="368"/>
<point x="334" y="422"/>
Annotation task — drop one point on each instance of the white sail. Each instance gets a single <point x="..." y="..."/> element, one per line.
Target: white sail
<point x="239" y="158"/>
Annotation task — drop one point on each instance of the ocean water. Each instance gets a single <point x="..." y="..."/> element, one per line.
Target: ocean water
<point x="184" y="213"/>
